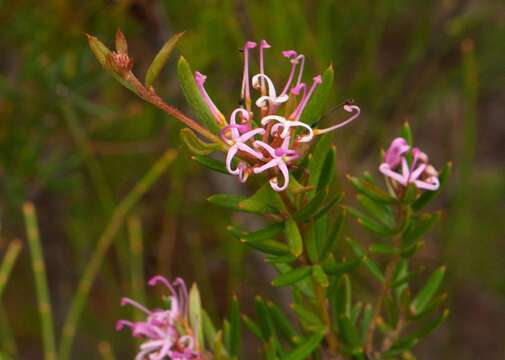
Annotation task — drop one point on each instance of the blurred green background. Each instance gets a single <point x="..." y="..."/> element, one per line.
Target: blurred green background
<point x="74" y="142"/>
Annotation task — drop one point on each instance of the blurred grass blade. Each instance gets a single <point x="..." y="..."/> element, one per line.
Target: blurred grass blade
<point x="8" y="262"/>
<point x="282" y="322"/>
<point x="209" y="330"/>
<point x="105" y="351"/>
<point x="161" y="58"/>
<point x="104" y="242"/>
<point x="42" y="289"/>
<point x="136" y="262"/>
<point x="234" y="328"/>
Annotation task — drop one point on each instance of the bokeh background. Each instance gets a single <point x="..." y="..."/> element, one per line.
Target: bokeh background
<point x="74" y="142"/>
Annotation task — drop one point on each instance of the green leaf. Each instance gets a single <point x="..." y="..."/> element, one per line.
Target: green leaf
<point x="410" y="250"/>
<point x="366" y="320"/>
<point x="311" y="244"/>
<point x="329" y="169"/>
<point x="161" y="59"/>
<point x="234" y="346"/>
<point x="423" y="298"/>
<point x="292" y="276"/>
<point x="319" y="275"/>
<point x="350" y="335"/>
<point x="428" y="196"/>
<point x="371" y="265"/>
<point x="210" y="163"/>
<point x="282" y="322"/>
<point x="303" y="351"/>
<point x="269" y="232"/>
<point x="366" y="187"/>
<point x="195" y="313"/>
<point x="252" y="326"/>
<point x="304" y="285"/>
<point x="383" y="249"/>
<point x="418" y="226"/>
<point x="225" y="200"/>
<point x="370" y="223"/>
<point x="195" y="145"/>
<point x="241" y="203"/>
<point x="283" y="259"/>
<point x="431" y="326"/>
<point x="308" y="319"/>
<point x="382" y="212"/>
<point x="316" y="162"/>
<point x="337" y="269"/>
<point x="264" y="321"/>
<point x="317" y="103"/>
<point x="406" y="133"/>
<point x="335" y="233"/>
<point x="323" y="210"/>
<point x="295" y="242"/>
<point x="271" y="247"/>
<point x="310" y="209"/>
<point x="343" y="296"/>
<point x="209" y="330"/>
<point x="193" y="97"/>
<point x="263" y="201"/>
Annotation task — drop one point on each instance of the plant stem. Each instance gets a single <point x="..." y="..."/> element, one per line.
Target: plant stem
<point x="150" y="96"/>
<point x="104" y="242"/>
<point x="136" y="262"/>
<point x="42" y="290"/>
<point x="325" y="316"/>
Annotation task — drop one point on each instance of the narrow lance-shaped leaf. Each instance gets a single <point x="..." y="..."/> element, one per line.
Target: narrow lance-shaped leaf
<point x="309" y="345"/>
<point x="423" y="298"/>
<point x="266" y="233"/>
<point x="193" y="97"/>
<point x="371" y="265"/>
<point x="196" y="145"/>
<point x="209" y="330"/>
<point x="317" y="103"/>
<point x="292" y="276"/>
<point x="195" y="313"/>
<point x="328" y="170"/>
<point x="319" y="275"/>
<point x="294" y="239"/>
<point x="161" y="59"/>
<point x="210" y="163"/>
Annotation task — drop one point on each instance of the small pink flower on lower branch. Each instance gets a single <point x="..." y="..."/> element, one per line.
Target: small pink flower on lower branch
<point x="166" y="332"/>
<point x="402" y="172"/>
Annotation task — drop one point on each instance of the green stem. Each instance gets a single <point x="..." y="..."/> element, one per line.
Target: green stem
<point x="41" y="287"/>
<point x="104" y="242"/>
<point x="8" y="262"/>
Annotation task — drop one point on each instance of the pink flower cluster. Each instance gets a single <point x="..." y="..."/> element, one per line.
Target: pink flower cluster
<point x="273" y="141"/>
<point x="397" y="168"/>
<point x="166" y="332"/>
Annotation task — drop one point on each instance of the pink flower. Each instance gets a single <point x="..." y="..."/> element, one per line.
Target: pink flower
<point x="418" y="172"/>
<point x="166" y="331"/>
<point x="280" y="158"/>
<point x="280" y="119"/>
